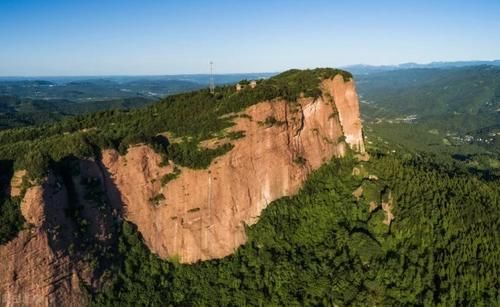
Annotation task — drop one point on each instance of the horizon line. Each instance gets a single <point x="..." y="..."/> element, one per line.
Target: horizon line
<point x="240" y="73"/>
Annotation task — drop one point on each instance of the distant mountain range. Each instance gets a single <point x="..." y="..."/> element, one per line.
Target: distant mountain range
<point x="361" y="69"/>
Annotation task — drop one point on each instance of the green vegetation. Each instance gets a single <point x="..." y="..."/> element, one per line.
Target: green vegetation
<point x="324" y="247"/>
<point x="272" y="121"/>
<point x="234" y="135"/>
<point x="16" y="112"/>
<point x="457" y="93"/>
<point x="188" y="154"/>
<point x="30" y="102"/>
<point x="193" y="116"/>
<point x="455" y="112"/>
<point x="11" y="220"/>
<point x="93" y="193"/>
<point x="157" y="199"/>
<point x="459" y="105"/>
<point x="170" y="176"/>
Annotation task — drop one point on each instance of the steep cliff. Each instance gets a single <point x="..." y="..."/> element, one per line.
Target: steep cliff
<point x="45" y="264"/>
<point x="36" y="270"/>
<point x="197" y="214"/>
<point x="202" y="213"/>
<point x="346" y="101"/>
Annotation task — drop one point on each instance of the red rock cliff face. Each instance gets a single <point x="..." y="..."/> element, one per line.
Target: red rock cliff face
<point x="37" y="266"/>
<point x="346" y="101"/>
<point x="204" y="213"/>
<point x="35" y="271"/>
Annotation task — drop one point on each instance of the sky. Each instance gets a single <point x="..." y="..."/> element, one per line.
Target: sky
<point x="150" y="37"/>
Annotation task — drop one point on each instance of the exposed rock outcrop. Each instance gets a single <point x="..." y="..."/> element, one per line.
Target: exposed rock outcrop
<point x="387" y="206"/>
<point x="199" y="215"/>
<point x="347" y="104"/>
<point x="16" y="182"/>
<point x="202" y="214"/>
<point x="36" y="270"/>
<point x="44" y="265"/>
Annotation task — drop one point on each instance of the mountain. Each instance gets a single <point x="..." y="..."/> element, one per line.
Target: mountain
<point x="363" y="69"/>
<point x="286" y="142"/>
<point x="186" y="178"/>
<point x="273" y="194"/>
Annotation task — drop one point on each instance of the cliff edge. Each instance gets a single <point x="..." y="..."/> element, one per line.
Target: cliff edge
<point x="182" y="213"/>
<point x="202" y="214"/>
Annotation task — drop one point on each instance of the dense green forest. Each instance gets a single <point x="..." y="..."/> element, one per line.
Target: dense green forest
<point x="430" y="93"/>
<point x="451" y="111"/>
<point x="324" y="247"/>
<point x="16" y="112"/>
<point x="457" y="100"/>
<point x="11" y="219"/>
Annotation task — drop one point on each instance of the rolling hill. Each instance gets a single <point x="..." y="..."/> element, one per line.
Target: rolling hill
<point x="452" y="110"/>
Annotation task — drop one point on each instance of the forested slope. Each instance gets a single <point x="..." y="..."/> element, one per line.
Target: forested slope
<point x="404" y="228"/>
<point x="451" y="111"/>
<point x="20" y="112"/>
<point x="325" y="247"/>
<point x="194" y="116"/>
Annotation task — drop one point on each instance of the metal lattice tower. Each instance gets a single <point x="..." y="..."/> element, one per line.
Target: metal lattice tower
<point x="212" y="84"/>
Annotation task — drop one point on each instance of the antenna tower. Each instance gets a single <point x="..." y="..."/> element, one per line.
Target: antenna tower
<point x="212" y="84"/>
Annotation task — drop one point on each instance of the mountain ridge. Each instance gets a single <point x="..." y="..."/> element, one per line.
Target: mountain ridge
<point x="363" y="69"/>
<point x="313" y="118"/>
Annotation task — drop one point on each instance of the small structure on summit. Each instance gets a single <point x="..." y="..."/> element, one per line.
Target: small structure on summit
<point x="243" y="84"/>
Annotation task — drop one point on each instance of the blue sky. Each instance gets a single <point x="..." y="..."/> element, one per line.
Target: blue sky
<point x="103" y="37"/>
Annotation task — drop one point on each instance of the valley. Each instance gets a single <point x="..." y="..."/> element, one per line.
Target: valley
<point x="446" y="111"/>
<point x="31" y="101"/>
